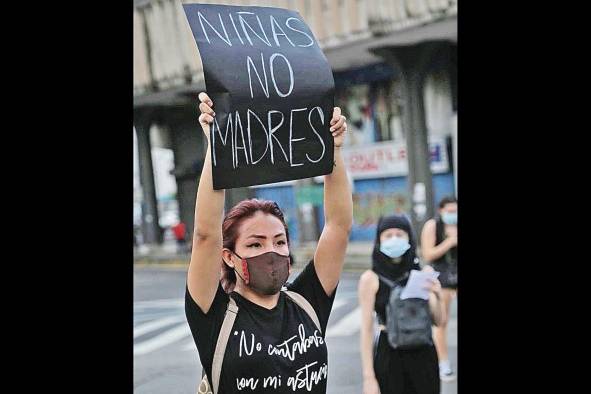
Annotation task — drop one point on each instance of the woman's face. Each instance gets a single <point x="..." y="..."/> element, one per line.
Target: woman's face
<point x="450" y="207"/>
<point x="258" y="234"/>
<point x="393" y="232"/>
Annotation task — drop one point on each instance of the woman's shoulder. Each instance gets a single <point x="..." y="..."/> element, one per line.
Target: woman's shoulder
<point x="429" y="227"/>
<point x="219" y="302"/>
<point x="430" y="224"/>
<point x="368" y="281"/>
<point x="367" y="275"/>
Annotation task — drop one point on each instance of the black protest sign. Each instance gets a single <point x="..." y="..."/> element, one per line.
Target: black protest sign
<point x="273" y="94"/>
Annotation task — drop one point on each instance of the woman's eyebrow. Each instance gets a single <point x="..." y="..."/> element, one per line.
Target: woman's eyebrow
<point x="264" y="236"/>
<point x="257" y="236"/>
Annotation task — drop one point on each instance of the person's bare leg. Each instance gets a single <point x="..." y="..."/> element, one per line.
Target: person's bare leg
<point x="440" y="333"/>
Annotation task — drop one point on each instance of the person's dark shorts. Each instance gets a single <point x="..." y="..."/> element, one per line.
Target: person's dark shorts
<point x="448" y="276"/>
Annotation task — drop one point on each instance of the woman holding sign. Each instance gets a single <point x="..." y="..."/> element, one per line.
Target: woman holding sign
<point x="251" y="335"/>
<point x="394" y="363"/>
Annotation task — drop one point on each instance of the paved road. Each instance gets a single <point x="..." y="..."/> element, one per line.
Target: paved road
<point x="166" y="360"/>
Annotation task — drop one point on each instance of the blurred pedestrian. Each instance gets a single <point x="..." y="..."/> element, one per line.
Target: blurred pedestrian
<point x="398" y="369"/>
<point x="439" y="241"/>
<point x="180" y="234"/>
<point x="247" y="313"/>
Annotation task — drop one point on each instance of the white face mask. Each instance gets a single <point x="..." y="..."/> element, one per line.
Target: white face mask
<point x="394" y="247"/>
<point x="449" y="218"/>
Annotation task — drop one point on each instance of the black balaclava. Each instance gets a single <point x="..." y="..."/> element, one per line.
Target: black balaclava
<point x="385" y="265"/>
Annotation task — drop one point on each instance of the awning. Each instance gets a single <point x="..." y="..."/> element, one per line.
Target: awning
<point x="362" y="75"/>
<point x="358" y="54"/>
<point x="347" y="57"/>
<point x="179" y="95"/>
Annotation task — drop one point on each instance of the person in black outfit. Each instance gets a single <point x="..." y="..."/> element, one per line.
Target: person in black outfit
<point x="387" y="370"/>
<point x="439" y="242"/>
<point x="274" y="345"/>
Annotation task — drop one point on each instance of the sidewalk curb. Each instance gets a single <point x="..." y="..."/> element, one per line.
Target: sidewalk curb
<point x="357" y="259"/>
<point x="178" y="264"/>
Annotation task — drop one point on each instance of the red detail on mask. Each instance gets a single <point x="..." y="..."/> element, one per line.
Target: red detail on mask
<point x="245" y="271"/>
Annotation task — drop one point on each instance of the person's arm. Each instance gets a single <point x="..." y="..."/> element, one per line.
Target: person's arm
<point x="436" y="308"/>
<point x="430" y="251"/>
<point x="338" y="214"/>
<point x="203" y="277"/>
<point x="368" y="287"/>
<point x="435" y="300"/>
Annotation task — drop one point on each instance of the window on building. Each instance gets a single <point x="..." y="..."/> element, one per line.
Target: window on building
<point x="373" y="111"/>
<point x="438" y="103"/>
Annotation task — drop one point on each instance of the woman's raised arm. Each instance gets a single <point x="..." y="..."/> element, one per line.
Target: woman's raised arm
<point x="338" y="213"/>
<point x="204" y="270"/>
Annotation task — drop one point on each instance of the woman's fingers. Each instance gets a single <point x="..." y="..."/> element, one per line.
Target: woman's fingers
<point x="338" y="126"/>
<point x="336" y="115"/>
<point x="206" y="109"/>
<point x="207" y="114"/>
<point x="431" y="284"/>
<point x="205" y="119"/>
<point x="204" y="98"/>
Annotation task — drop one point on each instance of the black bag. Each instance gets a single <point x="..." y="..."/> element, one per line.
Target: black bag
<point x="448" y="265"/>
<point x="449" y="277"/>
<point x="408" y="322"/>
<point x="448" y="271"/>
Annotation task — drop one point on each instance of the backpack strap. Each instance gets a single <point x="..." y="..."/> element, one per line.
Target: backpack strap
<point x="305" y="305"/>
<point x="220" y="347"/>
<point x="386" y="280"/>
<point x="392" y="283"/>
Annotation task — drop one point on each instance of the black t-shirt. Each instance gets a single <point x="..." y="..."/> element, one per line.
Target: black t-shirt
<point x="269" y="350"/>
<point x="451" y="256"/>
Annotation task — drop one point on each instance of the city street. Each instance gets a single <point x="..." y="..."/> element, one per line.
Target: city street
<point x="166" y="360"/>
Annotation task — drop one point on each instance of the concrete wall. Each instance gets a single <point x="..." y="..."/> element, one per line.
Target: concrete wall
<point x="165" y="54"/>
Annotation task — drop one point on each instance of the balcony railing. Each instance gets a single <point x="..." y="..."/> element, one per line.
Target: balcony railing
<point x="165" y="54"/>
<point x="386" y="16"/>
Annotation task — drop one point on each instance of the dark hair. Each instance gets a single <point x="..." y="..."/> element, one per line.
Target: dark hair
<point x="235" y="216"/>
<point x="447" y="200"/>
<point x="380" y="262"/>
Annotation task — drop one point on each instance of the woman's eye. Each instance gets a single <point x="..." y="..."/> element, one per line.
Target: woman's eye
<point x="255" y="245"/>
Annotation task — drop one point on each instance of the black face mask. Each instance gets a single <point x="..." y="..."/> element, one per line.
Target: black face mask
<point x="265" y="273"/>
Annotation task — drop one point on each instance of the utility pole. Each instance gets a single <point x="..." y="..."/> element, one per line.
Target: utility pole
<point x="412" y="62"/>
<point x="306" y="213"/>
<point x="150" y="227"/>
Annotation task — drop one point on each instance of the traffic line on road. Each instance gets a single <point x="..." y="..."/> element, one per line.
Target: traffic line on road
<point x="348" y="325"/>
<point x="168" y="302"/>
<point x="173" y="335"/>
<point x="338" y="302"/>
<point x="156" y="324"/>
<point x="144" y="316"/>
<point x="190" y="346"/>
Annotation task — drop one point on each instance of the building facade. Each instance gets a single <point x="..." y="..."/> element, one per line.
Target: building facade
<point x="395" y="73"/>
